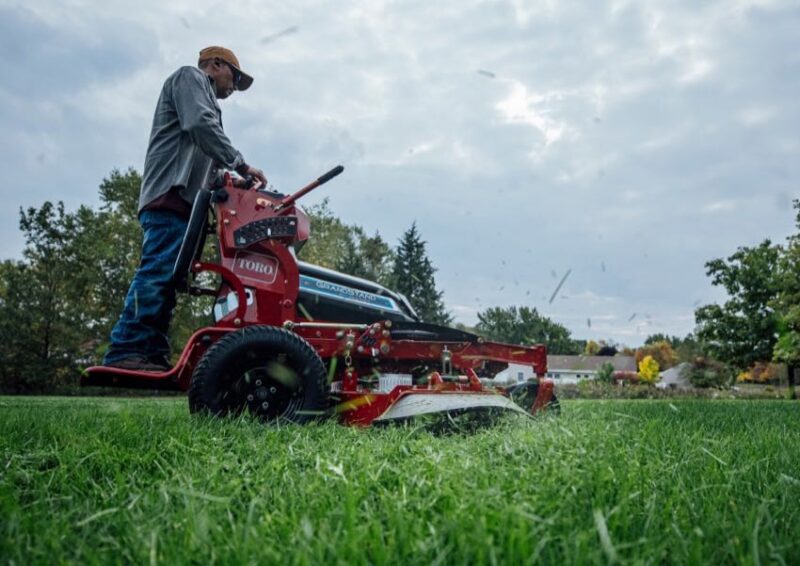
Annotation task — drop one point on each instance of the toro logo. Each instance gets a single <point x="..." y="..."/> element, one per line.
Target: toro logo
<point x="261" y="268"/>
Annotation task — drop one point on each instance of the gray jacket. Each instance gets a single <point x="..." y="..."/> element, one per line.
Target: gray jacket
<point x="186" y="139"/>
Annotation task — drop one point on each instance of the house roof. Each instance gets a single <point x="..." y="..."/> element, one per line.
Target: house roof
<point x="590" y="363"/>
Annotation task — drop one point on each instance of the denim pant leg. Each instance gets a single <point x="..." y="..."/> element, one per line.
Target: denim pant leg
<point x="142" y="328"/>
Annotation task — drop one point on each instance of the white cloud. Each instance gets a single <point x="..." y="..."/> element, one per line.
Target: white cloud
<point x="525" y="107"/>
<point x="756" y="115"/>
<point x="646" y="135"/>
<point x="720" y="206"/>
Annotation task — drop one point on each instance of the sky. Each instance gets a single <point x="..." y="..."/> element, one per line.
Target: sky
<point x="621" y="144"/>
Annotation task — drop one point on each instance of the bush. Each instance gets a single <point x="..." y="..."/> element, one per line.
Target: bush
<point x="761" y="372"/>
<point x="625" y="377"/>
<point x="705" y="372"/>
<point x="606" y="373"/>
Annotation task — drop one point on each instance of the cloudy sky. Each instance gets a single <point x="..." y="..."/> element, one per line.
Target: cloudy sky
<point x="623" y="142"/>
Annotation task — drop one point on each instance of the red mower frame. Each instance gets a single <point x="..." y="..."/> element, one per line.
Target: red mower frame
<point x="257" y="233"/>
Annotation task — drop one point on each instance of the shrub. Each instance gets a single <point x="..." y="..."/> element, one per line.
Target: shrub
<point x="706" y="372"/>
<point x="625" y="377"/>
<point x="761" y="372"/>
<point x="606" y="373"/>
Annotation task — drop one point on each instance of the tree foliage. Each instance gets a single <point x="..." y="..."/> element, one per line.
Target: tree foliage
<point x="605" y="374"/>
<point x="525" y="326"/>
<point x="58" y="305"/>
<point x="413" y="276"/>
<point x="69" y="290"/>
<point x="705" y="372"/>
<point x="761" y="372"/>
<point x="648" y="370"/>
<point x="742" y="331"/>
<point x="346" y="248"/>
<point x="787" y="304"/>
<point x="661" y="352"/>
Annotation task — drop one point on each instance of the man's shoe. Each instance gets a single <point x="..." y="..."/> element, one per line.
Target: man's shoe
<point x="139" y="363"/>
<point x="162" y="361"/>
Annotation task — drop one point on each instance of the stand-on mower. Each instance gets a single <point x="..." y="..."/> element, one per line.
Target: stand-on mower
<point x="295" y="342"/>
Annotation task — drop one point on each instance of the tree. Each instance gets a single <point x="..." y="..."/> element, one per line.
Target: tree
<point x="40" y="304"/>
<point x="607" y="349"/>
<point x="742" y="330"/>
<point x="761" y="372"/>
<point x="69" y="290"/>
<point x="346" y="248"/>
<point x="787" y="303"/>
<point x="368" y="257"/>
<point x="591" y="349"/>
<point x="688" y="349"/>
<point x="661" y="352"/>
<point x="606" y="373"/>
<point x="525" y="326"/>
<point x="705" y="372"/>
<point x="413" y="276"/>
<point x="673" y="341"/>
<point x="648" y="370"/>
<point x="330" y="237"/>
<point x="21" y="367"/>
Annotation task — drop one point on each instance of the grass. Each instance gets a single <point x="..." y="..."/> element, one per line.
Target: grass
<point x="132" y="480"/>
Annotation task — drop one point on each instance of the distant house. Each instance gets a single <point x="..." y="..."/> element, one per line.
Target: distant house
<point x="673" y="378"/>
<point x="568" y="369"/>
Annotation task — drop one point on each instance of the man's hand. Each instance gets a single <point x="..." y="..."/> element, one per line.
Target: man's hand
<point x="258" y="174"/>
<point x="250" y="172"/>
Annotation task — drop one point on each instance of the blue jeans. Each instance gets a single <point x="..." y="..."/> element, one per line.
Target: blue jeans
<point x="142" y="328"/>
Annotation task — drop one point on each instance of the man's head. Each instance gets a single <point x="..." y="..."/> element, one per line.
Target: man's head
<point x="223" y="66"/>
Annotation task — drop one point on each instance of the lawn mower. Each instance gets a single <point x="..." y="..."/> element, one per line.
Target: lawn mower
<point x="292" y="341"/>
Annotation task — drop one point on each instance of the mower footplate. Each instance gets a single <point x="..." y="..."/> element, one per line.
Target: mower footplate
<point x="103" y="376"/>
<point x="416" y="404"/>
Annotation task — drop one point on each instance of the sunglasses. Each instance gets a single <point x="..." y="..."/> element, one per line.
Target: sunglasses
<point x="237" y="76"/>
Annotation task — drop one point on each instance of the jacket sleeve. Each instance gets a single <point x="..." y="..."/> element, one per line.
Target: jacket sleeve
<point x="198" y="117"/>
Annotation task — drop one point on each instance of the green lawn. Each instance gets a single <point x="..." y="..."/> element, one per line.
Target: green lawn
<point x="133" y="480"/>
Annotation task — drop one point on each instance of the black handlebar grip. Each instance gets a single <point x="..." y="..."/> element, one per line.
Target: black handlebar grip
<point x="330" y="174"/>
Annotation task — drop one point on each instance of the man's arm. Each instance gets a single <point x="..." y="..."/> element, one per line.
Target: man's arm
<point x="197" y="115"/>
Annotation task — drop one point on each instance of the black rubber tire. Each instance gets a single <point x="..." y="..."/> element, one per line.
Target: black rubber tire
<point x="256" y="366"/>
<point x="524" y="394"/>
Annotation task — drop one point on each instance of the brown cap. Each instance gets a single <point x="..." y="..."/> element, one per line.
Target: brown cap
<point x="215" y="51"/>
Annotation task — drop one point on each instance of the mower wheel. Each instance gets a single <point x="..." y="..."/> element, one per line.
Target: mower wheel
<point x="524" y="395"/>
<point x="267" y="371"/>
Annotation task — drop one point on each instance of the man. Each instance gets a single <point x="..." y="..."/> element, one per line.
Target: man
<point x="187" y="147"/>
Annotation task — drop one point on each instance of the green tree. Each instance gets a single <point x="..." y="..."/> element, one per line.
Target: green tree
<point x="368" y="257"/>
<point x="413" y="275"/>
<point x="787" y="305"/>
<point x="673" y="341"/>
<point x="330" y="240"/>
<point x="591" y="348"/>
<point x="706" y="372"/>
<point x="526" y="326"/>
<point x="58" y="305"/>
<point x="605" y="374"/>
<point x="40" y="304"/>
<point x="21" y="366"/>
<point x="742" y="331"/>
